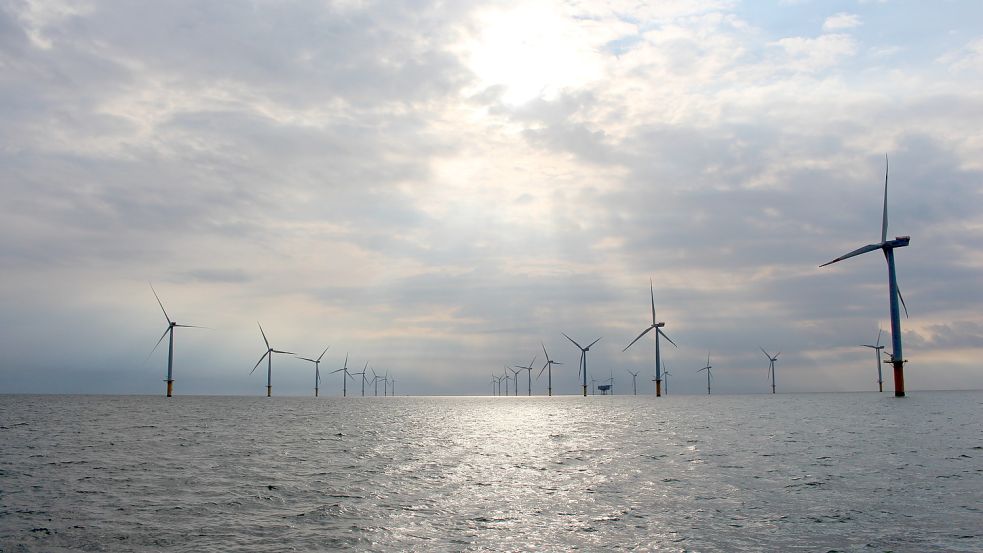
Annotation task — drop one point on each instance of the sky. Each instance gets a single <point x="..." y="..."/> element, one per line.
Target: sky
<point x="436" y="188"/>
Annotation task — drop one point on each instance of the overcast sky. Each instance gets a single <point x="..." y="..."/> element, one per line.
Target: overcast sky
<point x="435" y="188"/>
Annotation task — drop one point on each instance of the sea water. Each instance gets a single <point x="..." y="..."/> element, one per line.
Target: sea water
<point x="786" y="472"/>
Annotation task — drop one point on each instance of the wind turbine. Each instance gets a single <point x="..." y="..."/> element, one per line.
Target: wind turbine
<point x="393" y="382"/>
<point x="666" y="374"/>
<point x="888" y="246"/>
<point x="375" y="382"/>
<point x="171" y="325"/>
<point x="549" y="374"/>
<point x="634" y="385"/>
<point x="364" y="380"/>
<point x="515" y="373"/>
<point x="506" y="377"/>
<point x="269" y="362"/>
<point x="771" y="366"/>
<point x="583" y="359"/>
<point x="707" y="369"/>
<point x="658" y="331"/>
<point x="317" y="368"/>
<point x="529" y="369"/>
<point x="344" y="377"/>
<point x="877" y="355"/>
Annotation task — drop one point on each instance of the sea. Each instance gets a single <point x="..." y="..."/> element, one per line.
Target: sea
<point x="784" y="472"/>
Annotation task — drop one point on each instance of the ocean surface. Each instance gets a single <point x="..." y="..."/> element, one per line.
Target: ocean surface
<point x="805" y="472"/>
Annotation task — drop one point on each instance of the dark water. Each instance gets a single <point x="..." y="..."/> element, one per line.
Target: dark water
<point x="816" y="472"/>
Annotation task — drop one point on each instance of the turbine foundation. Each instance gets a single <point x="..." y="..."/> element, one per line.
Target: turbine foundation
<point x="269" y="391"/>
<point x="658" y="387"/>
<point x="170" y="388"/>
<point x="898" y="378"/>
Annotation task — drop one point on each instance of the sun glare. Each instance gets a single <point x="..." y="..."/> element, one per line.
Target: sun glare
<point x="532" y="51"/>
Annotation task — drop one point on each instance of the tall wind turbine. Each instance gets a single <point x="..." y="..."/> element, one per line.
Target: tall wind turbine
<point x="317" y="368"/>
<point x="549" y="374"/>
<point x="529" y="369"/>
<point x="269" y="362"/>
<point x="707" y="369"/>
<point x="364" y="380"/>
<point x="658" y="332"/>
<point x="583" y="359"/>
<point x="771" y="366"/>
<point x="171" y="325"/>
<point x="344" y="377"/>
<point x="634" y="384"/>
<point x="375" y="381"/>
<point x="506" y="377"/>
<point x="877" y="355"/>
<point x="888" y="246"/>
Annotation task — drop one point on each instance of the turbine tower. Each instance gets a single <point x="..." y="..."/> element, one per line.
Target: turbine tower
<point x="171" y="325"/>
<point x="269" y="362"/>
<point x="549" y="374"/>
<point x="658" y="331"/>
<point x="771" y="366"/>
<point x="888" y="246"/>
<point x="317" y="368"/>
<point x="707" y="369"/>
<point x="877" y="355"/>
<point x="583" y="359"/>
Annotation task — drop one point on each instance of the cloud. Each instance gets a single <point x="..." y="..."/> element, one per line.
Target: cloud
<point x="841" y="21"/>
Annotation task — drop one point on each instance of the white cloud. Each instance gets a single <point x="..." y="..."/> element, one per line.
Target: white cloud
<point x="841" y="21"/>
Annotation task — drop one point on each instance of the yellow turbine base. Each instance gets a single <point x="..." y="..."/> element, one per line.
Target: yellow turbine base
<point x="170" y="388"/>
<point x="268" y="391"/>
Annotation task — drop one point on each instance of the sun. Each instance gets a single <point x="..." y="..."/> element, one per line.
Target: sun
<point x="532" y="51"/>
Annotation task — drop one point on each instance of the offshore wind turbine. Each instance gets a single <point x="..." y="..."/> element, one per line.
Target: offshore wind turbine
<point x="771" y="366"/>
<point x="375" y="381"/>
<point x="549" y="374"/>
<point x="666" y="374"/>
<point x="506" y="377"/>
<point x="344" y="377"/>
<point x="515" y="373"/>
<point x="269" y="362"/>
<point x="317" y="368"/>
<point x="583" y="359"/>
<point x="171" y="325"/>
<point x="877" y="355"/>
<point x="634" y="384"/>
<point x="658" y="332"/>
<point x="888" y="246"/>
<point x="364" y="380"/>
<point x="707" y="369"/>
<point x="529" y="369"/>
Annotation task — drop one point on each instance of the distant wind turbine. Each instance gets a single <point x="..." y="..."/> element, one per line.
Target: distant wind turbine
<point x="393" y="382"/>
<point x="171" y="325"/>
<point x="375" y="381"/>
<point x="583" y="359"/>
<point x="269" y="362"/>
<point x="707" y="369"/>
<point x="317" y="369"/>
<point x="515" y="372"/>
<point x="364" y="380"/>
<point x="771" y="366"/>
<point x="666" y="374"/>
<point x="658" y="332"/>
<point x="549" y="374"/>
<point x="529" y="370"/>
<point x="506" y="377"/>
<point x="634" y="383"/>
<point x="888" y="246"/>
<point x="877" y="355"/>
<point x="344" y="377"/>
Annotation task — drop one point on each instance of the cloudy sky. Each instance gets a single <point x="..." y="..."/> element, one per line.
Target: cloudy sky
<point x="435" y="187"/>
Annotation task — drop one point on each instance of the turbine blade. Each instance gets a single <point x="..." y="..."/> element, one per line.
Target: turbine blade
<point x="160" y="304"/>
<point x="764" y="352"/>
<point x="542" y="369"/>
<point x="858" y="251"/>
<point x="884" y="221"/>
<point x="659" y="330"/>
<point x="260" y="361"/>
<point x="639" y="337"/>
<point x="776" y="355"/>
<point x="544" y="351"/>
<point x="652" y="293"/>
<point x="162" y="336"/>
<point x="879" y="331"/>
<point x="194" y="326"/>
<point x="264" y="335"/>
<point x="594" y="342"/>
<point x="572" y="340"/>
<point x="278" y="351"/>
<point x="306" y="359"/>
<point x="900" y="297"/>
<point x="322" y="353"/>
